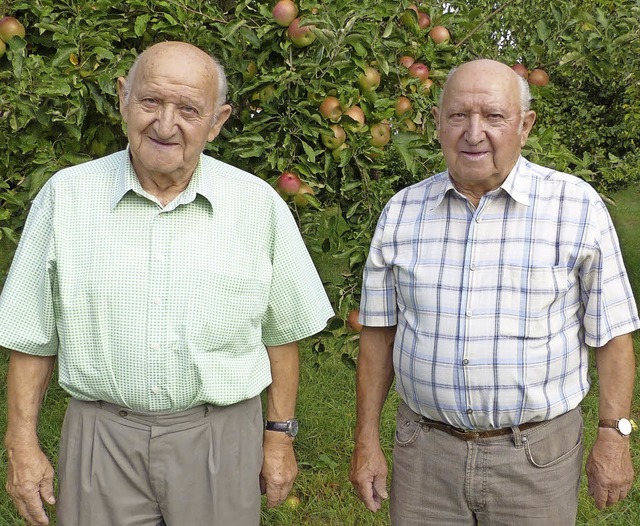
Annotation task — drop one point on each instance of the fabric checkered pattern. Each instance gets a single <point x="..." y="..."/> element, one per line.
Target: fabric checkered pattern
<point x="496" y="306"/>
<point x="160" y="309"/>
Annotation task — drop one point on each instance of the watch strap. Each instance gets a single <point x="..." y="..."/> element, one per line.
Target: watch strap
<point x="615" y="424"/>
<point x="271" y="425"/>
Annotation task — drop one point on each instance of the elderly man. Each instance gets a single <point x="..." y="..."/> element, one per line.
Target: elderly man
<point x="484" y="287"/>
<point x="171" y="304"/>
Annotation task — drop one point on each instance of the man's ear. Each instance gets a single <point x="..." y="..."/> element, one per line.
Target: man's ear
<point x="435" y="111"/>
<point x="122" y="82"/>
<point x="527" y="124"/>
<point x="223" y="113"/>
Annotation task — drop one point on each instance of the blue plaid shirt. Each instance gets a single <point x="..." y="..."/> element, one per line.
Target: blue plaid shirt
<point x="496" y="306"/>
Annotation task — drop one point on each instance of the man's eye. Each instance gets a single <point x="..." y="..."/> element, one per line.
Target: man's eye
<point x="190" y="110"/>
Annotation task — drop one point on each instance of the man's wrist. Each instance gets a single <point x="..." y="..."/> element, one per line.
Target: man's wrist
<point x="622" y="426"/>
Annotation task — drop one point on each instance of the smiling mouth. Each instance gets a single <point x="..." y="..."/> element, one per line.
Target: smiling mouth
<point x="162" y="144"/>
<point x="475" y="155"/>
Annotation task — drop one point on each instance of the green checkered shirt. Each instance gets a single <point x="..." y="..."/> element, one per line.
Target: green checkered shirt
<point x="160" y="309"/>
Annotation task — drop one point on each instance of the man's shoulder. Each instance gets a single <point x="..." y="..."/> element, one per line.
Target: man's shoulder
<point x="423" y="191"/>
<point x="95" y="169"/>
<point x="232" y="177"/>
<point x="552" y="177"/>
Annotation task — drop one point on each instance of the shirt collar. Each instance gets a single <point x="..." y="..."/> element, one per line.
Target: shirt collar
<point x="127" y="181"/>
<point x="516" y="184"/>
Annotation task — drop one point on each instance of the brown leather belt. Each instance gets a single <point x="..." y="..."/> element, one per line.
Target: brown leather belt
<point x="474" y="435"/>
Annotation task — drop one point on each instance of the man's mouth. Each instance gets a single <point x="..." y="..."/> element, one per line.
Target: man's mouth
<point x="475" y="155"/>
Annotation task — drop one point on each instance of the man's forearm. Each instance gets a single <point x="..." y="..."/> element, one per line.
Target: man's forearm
<point x="615" y="362"/>
<point x="27" y="382"/>
<point x="283" y="391"/>
<point x="374" y="376"/>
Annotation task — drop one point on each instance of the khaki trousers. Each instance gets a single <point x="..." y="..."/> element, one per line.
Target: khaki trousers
<point x="197" y="467"/>
<point x="524" y="478"/>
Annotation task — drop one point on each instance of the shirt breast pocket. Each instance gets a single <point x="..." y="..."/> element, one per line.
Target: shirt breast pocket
<point x="532" y="301"/>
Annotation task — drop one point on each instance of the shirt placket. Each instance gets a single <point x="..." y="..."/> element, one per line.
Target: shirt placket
<point x="468" y="314"/>
<point x="158" y="277"/>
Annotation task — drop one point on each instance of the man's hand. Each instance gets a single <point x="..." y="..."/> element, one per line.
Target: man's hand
<point x="368" y="474"/>
<point x="30" y="483"/>
<point x="609" y="469"/>
<point x="279" y="467"/>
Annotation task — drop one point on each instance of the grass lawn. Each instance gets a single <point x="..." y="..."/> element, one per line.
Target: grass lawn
<point x="327" y="414"/>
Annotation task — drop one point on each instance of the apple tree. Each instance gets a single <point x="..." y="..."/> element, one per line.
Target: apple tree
<point x="336" y="95"/>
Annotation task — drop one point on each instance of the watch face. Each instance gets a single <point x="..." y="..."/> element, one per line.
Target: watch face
<point x="293" y="428"/>
<point x="624" y="426"/>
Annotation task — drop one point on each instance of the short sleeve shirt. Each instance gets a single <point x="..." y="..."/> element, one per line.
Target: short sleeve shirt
<point x="160" y="308"/>
<point x="495" y="305"/>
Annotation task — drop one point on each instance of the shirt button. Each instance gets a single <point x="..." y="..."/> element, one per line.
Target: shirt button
<point x="122" y="412"/>
<point x="472" y="266"/>
<point x="157" y="301"/>
<point x="465" y="362"/>
<point x="469" y="411"/>
<point x="155" y="346"/>
<point x="155" y="389"/>
<point x="159" y="257"/>
<point x="469" y="313"/>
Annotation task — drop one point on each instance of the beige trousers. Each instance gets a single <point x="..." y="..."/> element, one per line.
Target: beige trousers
<point x="198" y="467"/>
<point x="524" y="478"/>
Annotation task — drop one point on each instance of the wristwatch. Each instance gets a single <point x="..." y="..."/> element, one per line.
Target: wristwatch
<point x="289" y="427"/>
<point x="624" y="426"/>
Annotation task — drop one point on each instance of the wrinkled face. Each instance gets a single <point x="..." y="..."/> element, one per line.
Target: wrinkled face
<point x="480" y="125"/>
<point x="170" y="111"/>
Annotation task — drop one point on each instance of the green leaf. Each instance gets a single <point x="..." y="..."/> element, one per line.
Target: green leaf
<point x="543" y="30"/>
<point x="140" y="25"/>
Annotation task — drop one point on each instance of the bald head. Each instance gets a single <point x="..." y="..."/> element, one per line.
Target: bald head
<point x="183" y="53"/>
<point x="486" y="67"/>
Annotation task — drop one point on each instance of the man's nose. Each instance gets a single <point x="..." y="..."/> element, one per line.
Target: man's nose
<point x="166" y="120"/>
<point x="474" y="133"/>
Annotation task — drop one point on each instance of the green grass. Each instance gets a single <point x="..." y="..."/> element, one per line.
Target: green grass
<point x="326" y="410"/>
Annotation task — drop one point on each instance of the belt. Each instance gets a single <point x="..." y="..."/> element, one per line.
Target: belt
<point x="474" y="435"/>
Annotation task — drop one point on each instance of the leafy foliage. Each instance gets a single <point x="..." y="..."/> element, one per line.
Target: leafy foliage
<point x="58" y="103"/>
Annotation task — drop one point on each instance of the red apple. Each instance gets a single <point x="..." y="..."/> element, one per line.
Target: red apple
<point x="419" y="71"/>
<point x="352" y="320"/>
<point x="284" y="12"/>
<point x="330" y="109"/>
<point x="336" y="140"/>
<point x="521" y="70"/>
<point x="300" y="36"/>
<point x="424" y="20"/>
<point x="406" y="61"/>
<point x="403" y="106"/>
<point x="369" y="80"/>
<point x="538" y="77"/>
<point x="439" y="34"/>
<point x="288" y="183"/>
<point x="356" y="113"/>
<point x="10" y="27"/>
<point x="380" y="134"/>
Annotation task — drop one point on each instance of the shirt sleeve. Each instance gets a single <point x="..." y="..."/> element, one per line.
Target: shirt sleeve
<point x="298" y="305"/>
<point x="27" y="321"/>
<point x="378" y="305"/>
<point x="610" y="308"/>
